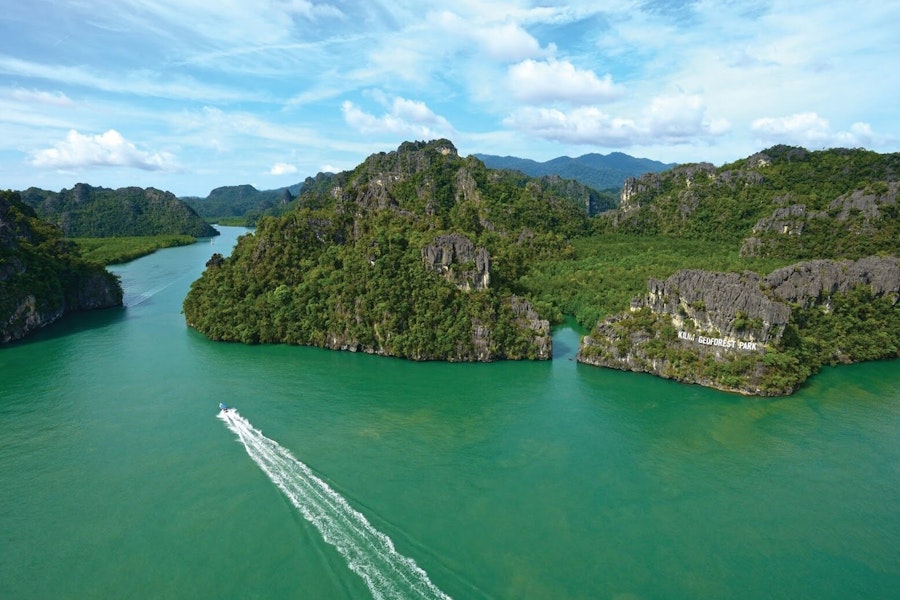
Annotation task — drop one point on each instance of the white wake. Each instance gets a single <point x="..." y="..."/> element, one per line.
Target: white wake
<point x="368" y="552"/>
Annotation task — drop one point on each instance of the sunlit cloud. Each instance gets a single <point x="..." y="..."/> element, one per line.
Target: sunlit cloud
<point x="403" y="117"/>
<point x="667" y="120"/>
<point x="539" y="82"/>
<point x="811" y="130"/>
<point x="282" y="169"/>
<point x="108" y="149"/>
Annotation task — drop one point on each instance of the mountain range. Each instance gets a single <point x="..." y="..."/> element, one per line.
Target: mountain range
<point x="598" y="171"/>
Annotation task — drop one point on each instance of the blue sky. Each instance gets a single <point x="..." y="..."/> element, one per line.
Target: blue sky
<point x="188" y="95"/>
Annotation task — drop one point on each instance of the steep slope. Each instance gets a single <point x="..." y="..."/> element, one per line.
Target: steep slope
<point x="415" y="253"/>
<point x="41" y="275"/>
<point x="784" y="201"/>
<point x="836" y="210"/>
<point x="86" y="211"/>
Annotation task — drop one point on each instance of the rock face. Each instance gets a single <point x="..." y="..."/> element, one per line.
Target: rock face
<point x="860" y="213"/>
<point x="713" y="302"/>
<point x="39" y="279"/>
<point x="715" y="329"/>
<point x="456" y="258"/>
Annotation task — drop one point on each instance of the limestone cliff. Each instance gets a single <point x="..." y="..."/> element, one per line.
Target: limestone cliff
<point x="746" y="333"/>
<point x="456" y="258"/>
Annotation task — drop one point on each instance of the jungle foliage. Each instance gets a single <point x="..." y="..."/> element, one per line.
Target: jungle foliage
<point x="243" y="205"/>
<point x="86" y="211"/>
<point x="117" y="250"/>
<point x="346" y="268"/>
<point x="37" y="261"/>
<point x="731" y="203"/>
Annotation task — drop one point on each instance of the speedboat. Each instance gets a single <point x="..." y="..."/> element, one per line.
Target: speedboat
<point x="223" y="407"/>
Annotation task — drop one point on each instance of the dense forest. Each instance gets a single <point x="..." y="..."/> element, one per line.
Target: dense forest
<point x="94" y="212"/>
<point x="772" y="209"/>
<point x="425" y="254"/>
<point x="784" y="202"/>
<point x="243" y="205"/>
<point x="42" y="275"/>
<point x="415" y="253"/>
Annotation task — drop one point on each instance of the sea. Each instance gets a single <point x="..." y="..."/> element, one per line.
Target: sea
<point x="344" y="475"/>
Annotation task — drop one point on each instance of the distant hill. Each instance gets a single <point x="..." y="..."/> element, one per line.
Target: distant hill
<point x="244" y="202"/>
<point x="86" y="211"/>
<point x="598" y="171"/>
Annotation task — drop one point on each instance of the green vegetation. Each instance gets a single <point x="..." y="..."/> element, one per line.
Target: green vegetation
<point x="852" y="326"/>
<point x="725" y="204"/>
<point x="42" y="274"/>
<point x="243" y="205"/>
<point x="353" y="263"/>
<point x="598" y="276"/>
<point x="346" y="269"/>
<point x="116" y="250"/>
<point x="86" y="211"/>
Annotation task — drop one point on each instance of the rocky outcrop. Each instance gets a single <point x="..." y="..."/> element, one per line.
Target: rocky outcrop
<point x="724" y="304"/>
<point x="456" y="258"/>
<point x="714" y="329"/>
<point x="812" y="282"/>
<point x="856" y="213"/>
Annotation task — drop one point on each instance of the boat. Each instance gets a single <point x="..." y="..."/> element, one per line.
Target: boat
<point x="223" y="407"/>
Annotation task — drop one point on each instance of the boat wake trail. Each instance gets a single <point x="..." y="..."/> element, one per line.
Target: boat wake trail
<point x="368" y="552"/>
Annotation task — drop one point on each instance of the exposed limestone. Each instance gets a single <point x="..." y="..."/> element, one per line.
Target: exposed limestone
<point x="713" y="316"/>
<point x="456" y="258"/>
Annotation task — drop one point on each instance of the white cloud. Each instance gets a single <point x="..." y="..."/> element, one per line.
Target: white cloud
<point x="403" y="117"/>
<point x="667" y="120"/>
<point x="109" y="149"/>
<point x="282" y="169"/>
<point x="538" y="82"/>
<point x="812" y="131"/>
<point x="41" y="97"/>
<point x="494" y="36"/>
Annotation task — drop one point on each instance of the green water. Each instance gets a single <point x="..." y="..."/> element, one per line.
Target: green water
<point x="508" y="480"/>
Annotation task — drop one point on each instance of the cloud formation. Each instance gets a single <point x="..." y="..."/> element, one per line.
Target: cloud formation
<point x="668" y="120"/>
<point x="811" y="130"/>
<point x="109" y="149"/>
<point x="538" y="82"/>
<point x="282" y="169"/>
<point x="402" y="117"/>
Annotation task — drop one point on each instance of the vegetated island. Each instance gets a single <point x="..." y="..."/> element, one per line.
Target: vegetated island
<point x="42" y="275"/>
<point x="416" y="253"/>
<point x="115" y="226"/>
<point x="747" y="333"/>
<point x="95" y="212"/>
<point x="420" y="253"/>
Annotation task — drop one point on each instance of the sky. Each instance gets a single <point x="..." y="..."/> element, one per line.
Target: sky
<point x="190" y="95"/>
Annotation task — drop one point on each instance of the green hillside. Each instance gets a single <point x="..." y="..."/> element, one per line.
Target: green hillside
<point x="415" y="253"/>
<point x="93" y="212"/>
<point x="42" y="276"/>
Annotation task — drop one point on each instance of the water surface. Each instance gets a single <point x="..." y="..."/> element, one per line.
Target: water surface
<point x="507" y="480"/>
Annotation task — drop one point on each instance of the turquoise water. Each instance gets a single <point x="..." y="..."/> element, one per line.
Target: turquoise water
<point x="508" y="480"/>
